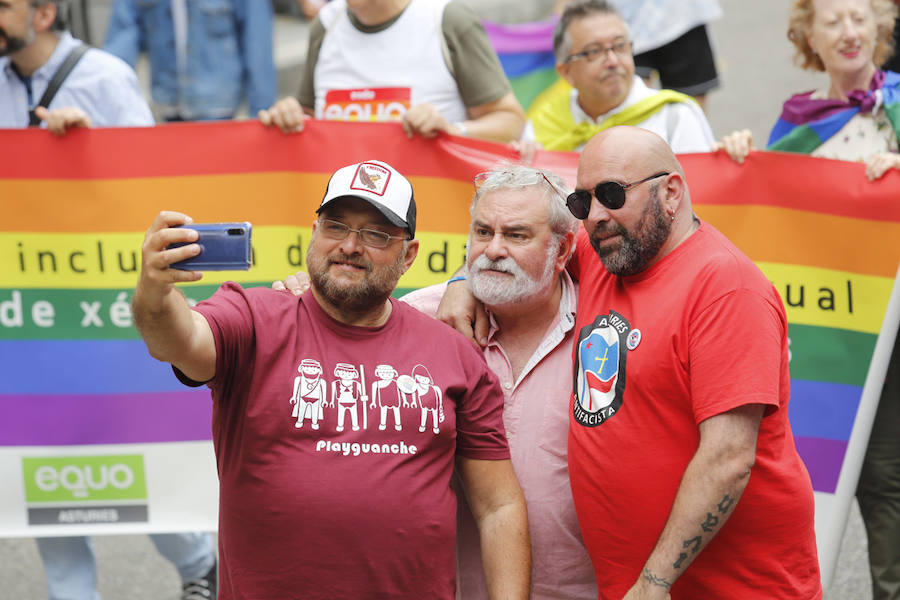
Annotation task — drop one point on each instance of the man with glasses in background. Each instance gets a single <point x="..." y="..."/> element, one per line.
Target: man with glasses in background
<point x="594" y="56"/>
<point x="384" y="521"/>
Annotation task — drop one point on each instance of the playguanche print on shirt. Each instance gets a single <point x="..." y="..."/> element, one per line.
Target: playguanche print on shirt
<point x="392" y="398"/>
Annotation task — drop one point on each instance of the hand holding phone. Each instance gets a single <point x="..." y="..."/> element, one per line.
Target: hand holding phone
<point x="223" y="247"/>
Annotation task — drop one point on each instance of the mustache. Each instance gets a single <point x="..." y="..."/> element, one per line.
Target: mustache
<point x="504" y="265"/>
<point x="613" y="71"/>
<point x="345" y="259"/>
<point x="601" y="231"/>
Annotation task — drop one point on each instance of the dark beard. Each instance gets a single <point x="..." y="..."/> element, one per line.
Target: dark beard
<point x="365" y="295"/>
<point x="637" y="249"/>
<point x="13" y="44"/>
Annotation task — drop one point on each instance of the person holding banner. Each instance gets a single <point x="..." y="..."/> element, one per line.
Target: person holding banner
<point x="383" y="513"/>
<point x="426" y="63"/>
<point x="685" y="476"/>
<point x="854" y="118"/>
<point x="98" y="90"/>
<point x="599" y="89"/>
<point x="38" y="55"/>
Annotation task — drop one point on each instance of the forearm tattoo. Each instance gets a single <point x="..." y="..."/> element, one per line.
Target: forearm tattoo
<point x="709" y="525"/>
<point x="656" y="580"/>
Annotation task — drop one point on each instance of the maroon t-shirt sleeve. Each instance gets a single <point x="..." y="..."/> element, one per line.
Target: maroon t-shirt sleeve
<point x="230" y="319"/>
<point x="479" y="415"/>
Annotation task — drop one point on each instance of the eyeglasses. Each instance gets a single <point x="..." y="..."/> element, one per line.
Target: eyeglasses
<point x="610" y="194"/>
<point x="480" y="179"/>
<point x="373" y="238"/>
<point x="592" y="53"/>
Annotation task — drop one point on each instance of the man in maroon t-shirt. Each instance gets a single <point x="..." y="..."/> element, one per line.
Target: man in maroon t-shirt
<point x="348" y="509"/>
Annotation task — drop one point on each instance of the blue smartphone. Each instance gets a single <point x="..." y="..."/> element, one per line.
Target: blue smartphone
<point x="224" y="247"/>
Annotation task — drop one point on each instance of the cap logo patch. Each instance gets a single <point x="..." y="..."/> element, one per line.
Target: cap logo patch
<point x="371" y="178"/>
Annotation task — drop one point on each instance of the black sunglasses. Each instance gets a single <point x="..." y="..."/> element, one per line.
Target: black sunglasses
<point x="610" y="194"/>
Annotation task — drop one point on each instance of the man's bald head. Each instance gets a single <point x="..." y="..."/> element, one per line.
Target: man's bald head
<point x="627" y="154"/>
<point x="656" y="216"/>
<point x="640" y="148"/>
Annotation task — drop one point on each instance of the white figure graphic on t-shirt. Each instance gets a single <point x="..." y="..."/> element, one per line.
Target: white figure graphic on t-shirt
<point x="346" y="390"/>
<point x="309" y="393"/>
<point x="429" y="398"/>
<point x="387" y="395"/>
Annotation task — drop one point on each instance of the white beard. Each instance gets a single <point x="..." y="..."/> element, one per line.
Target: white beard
<point x="498" y="290"/>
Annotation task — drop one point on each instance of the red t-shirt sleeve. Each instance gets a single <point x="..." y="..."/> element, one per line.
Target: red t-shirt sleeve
<point x="736" y="352"/>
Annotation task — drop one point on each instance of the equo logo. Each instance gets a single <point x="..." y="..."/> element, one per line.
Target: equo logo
<point x="362" y="111"/>
<point x="78" y="479"/>
<point x="55" y="479"/>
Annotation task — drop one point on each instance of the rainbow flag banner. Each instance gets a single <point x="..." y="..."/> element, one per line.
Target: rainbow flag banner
<point x="526" y="53"/>
<point x="99" y="437"/>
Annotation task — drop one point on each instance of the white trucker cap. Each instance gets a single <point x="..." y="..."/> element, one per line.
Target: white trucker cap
<point x="379" y="184"/>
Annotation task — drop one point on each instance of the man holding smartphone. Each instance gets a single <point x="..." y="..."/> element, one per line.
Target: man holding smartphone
<point x="385" y="515"/>
<point x="93" y="89"/>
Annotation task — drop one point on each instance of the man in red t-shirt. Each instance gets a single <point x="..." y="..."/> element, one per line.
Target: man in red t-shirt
<point x="685" y="477"/>
<point x="343" y="508"/>
<point x="686" y="480"/>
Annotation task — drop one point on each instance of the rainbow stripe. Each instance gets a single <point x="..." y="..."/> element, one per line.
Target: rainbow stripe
<point x="526" y="54"/>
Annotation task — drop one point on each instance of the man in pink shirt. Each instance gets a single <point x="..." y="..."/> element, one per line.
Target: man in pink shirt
<point x="520" y="240"/>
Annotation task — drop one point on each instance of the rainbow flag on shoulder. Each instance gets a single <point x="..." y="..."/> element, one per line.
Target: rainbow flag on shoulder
<point x="806" y="122"/>
<point x="526" y="53"/>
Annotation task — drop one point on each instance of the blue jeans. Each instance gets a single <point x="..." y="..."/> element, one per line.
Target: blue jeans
<point x="72" y="570"/>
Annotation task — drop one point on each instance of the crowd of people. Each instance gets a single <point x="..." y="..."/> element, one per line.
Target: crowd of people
<point x="573" y="480"/>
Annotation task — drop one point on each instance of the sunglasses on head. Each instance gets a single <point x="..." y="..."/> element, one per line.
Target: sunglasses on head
<point x="610" y="194"/>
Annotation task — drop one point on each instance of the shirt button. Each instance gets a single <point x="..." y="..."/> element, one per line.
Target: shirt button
<point x="507" y="385"/>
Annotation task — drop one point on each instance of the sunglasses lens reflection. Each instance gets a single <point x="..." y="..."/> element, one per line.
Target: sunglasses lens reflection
<point x="579" y="203"/>
<point x="610" y="194"/>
